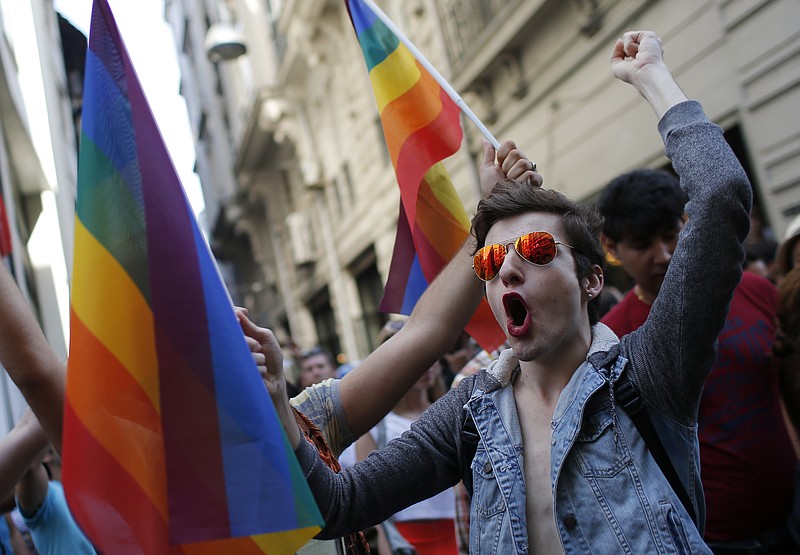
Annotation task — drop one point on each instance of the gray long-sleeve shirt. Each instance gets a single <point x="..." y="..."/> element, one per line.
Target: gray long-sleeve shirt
<point x="668" y="359"/>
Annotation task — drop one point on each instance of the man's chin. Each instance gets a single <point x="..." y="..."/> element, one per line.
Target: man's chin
<point x="656" y="284"/>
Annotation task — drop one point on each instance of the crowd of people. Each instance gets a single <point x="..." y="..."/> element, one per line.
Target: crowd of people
<point x="662" y="422"/>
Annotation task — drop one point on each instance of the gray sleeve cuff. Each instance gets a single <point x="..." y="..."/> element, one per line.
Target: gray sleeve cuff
<point x="306" y="456"/>
<point x="680" y="115"/>
<point x="344" y="425"/>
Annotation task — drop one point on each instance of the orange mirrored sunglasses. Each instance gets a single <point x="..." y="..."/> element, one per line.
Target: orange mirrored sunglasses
<point x="537" y="247"/>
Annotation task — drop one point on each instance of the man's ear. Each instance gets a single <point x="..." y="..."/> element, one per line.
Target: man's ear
<point x="594" y="282"/>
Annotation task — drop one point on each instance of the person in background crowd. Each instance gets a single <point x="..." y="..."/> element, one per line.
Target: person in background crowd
<point x="459" y="355"/>
<point x="43" y="506"/>
<point x="787" y="358"/>
<point x="343" y="369"/>
<point x="787" y="344"/>
<point x="752" y="263"/>
<point x="316" y="365"/>
<point x="760" y="245"/>
<point x="428" y="526"/>
<point x="291" y="361"/>
<point x="746" y="454"/>
<point x="32" y="468"/>
<point x="378" y="537"/>
<point x="788" y="255"/>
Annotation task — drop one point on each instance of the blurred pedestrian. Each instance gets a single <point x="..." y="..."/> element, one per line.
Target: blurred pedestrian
<point x="788" y="256"/>
<point x="428" y="526"/>
<point x="316" y="365"/>
<point x="787" y="358"/>
<point x="760" y="245"/>
<point x="32" y="469"/>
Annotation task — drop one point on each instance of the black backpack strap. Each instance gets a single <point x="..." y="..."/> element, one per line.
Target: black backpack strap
<point x="627" y="396"/>
<point x="470" y="438"/>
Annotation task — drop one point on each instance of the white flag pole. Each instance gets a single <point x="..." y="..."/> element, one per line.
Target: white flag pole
<point x="435" y="74"/>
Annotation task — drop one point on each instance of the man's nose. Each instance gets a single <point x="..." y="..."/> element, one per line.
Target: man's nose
<point x="663" y="252"/>
<point x="509" y="269"/>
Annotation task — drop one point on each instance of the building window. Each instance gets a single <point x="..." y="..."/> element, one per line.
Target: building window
<point x="464" y="20"/>
<point x="187" y="43"/>
<point x="370" y="292"/>
<point x="325" y="322"/>
<point x="202" y="128"/>
<point x="348" y="181"/>
<point x="286" y="182"/>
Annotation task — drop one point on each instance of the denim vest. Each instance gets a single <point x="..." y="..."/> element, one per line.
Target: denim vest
<point x="609" y="494"/>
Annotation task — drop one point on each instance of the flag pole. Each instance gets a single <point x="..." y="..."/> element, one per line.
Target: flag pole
<point x="451" y="92"/>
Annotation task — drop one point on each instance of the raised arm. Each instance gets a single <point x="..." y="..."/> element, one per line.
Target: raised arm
<point x="678" y="340"/>
<point x="371" y="390"/>
<point x="18" y="449"/>
<point x="425" y="460"/>
<point x="29" y="360"/>
<point x="32" y="488"/>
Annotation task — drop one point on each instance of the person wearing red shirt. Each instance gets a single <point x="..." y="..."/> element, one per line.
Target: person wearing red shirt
<point x="746" y="454"/>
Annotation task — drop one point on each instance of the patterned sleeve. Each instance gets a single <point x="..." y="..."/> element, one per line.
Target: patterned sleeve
<point x="322" y="405"/>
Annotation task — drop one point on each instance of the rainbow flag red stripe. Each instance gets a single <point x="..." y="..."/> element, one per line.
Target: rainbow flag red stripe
<point x="171" y="444"/>
<point x="422" y="127"/>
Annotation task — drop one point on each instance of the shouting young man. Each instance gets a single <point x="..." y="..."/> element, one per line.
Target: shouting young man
<point x="560" y="465"/>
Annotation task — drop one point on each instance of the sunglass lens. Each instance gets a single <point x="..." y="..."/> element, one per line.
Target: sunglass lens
<point x="488" y="260"/>
<point x="538" y="247"/>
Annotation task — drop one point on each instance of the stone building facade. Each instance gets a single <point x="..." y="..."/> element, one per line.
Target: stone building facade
<point x="300" y="191"/>
<point x="41" y="74"/>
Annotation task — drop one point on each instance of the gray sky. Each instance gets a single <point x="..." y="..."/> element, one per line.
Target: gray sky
<point x="151" y="45"/>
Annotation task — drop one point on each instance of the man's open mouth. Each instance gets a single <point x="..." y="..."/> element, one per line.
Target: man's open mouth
<point x="517" y="314"/>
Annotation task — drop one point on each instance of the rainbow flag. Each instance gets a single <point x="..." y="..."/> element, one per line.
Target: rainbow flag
<point x="171" y="443"/>
<point x="422" y="127"/>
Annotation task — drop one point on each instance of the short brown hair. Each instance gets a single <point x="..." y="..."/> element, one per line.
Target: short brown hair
<point x="582" y="224"/>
